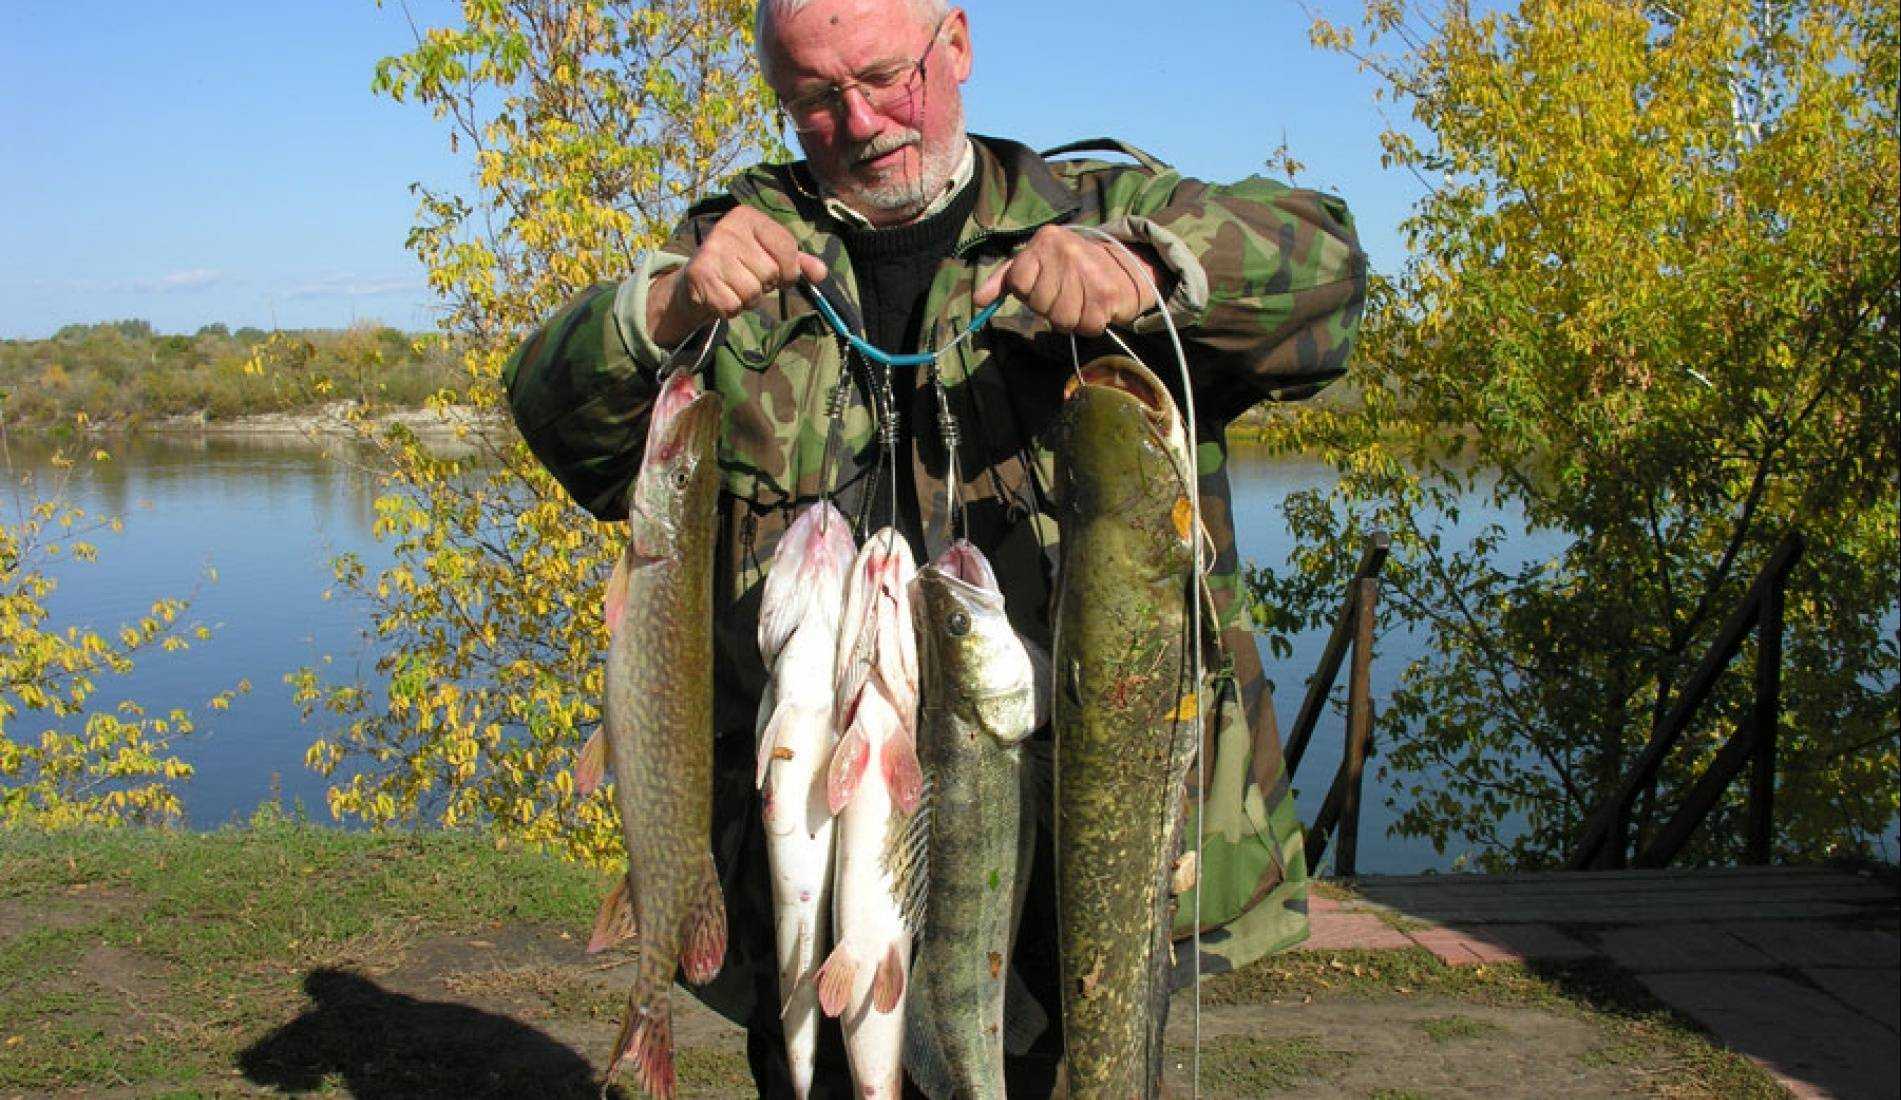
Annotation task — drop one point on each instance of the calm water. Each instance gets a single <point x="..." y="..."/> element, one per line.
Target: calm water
<point x="267" y="515"/>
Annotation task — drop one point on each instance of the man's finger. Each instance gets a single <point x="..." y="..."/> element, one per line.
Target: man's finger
<point x="993" y="286"/>
<point x="776" y="242"/>
<point x="1139" y="275"/>
<point x="812" y="267"/>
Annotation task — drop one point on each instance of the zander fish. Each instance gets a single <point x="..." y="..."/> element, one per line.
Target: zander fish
<point x="979" y="703"/>
<point x="657" y="728"/>
<point x="799" y="614"/>
<point x="1125" y="705"/>
<point x="874" y="785"/>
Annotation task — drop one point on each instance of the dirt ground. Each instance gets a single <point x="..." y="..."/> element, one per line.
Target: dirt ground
<point x="521" y="998"/>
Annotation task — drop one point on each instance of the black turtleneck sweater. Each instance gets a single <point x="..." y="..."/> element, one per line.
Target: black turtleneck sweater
<point x="894" y="268"/>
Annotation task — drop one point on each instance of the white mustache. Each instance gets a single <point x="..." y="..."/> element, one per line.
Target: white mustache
<point x="886" y="143"/>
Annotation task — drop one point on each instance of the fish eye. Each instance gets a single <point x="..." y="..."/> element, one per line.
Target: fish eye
<point x="680" y="477"/>
<point x="958" y="624"/>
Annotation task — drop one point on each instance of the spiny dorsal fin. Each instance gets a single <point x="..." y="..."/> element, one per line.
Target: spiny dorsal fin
<point x="907" y="859"/>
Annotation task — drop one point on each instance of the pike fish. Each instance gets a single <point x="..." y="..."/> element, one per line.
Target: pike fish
<point x="798" y="638"/>
<point x="657" y="729"/>
<point x="979" y="703"/>
<point x="1124" y="710"/>
<point x="874" y="785"/>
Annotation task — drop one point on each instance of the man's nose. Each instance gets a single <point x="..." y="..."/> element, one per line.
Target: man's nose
<point x="862" y="123"/>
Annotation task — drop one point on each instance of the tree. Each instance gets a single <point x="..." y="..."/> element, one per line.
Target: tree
<point x="591" y="124"/>
<point x="118" y="766"/>
<point x="1650" y="303"/>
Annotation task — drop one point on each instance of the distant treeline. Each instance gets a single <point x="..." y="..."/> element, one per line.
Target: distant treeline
<point x="122" y="374"/>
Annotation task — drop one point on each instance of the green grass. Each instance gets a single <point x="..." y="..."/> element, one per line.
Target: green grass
<point x="1641" y="1030"/>
<point x="210" y="934"/>
<point x="1446" y="1029"/>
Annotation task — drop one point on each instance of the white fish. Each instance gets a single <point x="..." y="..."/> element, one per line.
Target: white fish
<point x="798" y="638"/>
<point x="874" y="786"/>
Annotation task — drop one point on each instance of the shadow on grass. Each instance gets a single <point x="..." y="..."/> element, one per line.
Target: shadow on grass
<point x="383" y="1044"/>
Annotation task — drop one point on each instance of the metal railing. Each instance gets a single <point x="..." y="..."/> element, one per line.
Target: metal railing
<point x="1354" y="626"/>
<point x="1605" y="839"/>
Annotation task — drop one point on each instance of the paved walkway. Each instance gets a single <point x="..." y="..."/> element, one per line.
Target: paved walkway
<point x="1796" y="968"/>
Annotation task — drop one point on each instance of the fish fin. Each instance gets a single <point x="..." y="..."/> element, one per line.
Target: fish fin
<point x="903" y="775"/>
<point x="887" y="986"/>
<point x="616" y="920"/>
<point x="705" y="930"/>
<point x="923" y="1057"/>
<point x="645" y="1042"/>
<point x="785" y="599"/>
<point x="590" y="768"/>
<point x="835" y="979"/>
<point x="1024" y="1019"/>
<point x="847" y="768"/>
<point x="615" y="600"/>
<point x="907" y="859"/>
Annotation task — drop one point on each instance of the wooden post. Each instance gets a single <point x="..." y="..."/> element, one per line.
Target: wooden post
<point x="1359" y="725"/>
<point x="1320" y="684"/>
<point x="1766" y="716"/>
<point x="1605" y="825"/>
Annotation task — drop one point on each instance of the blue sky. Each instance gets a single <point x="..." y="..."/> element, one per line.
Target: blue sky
<point x="221" y="161"/>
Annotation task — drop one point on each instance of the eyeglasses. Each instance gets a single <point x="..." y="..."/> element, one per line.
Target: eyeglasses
<point x="885" y="88"/>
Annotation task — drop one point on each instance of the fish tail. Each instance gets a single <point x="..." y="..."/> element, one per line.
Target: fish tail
<point x="705" y="929"/>
<point x="616" y="920"/>
<point x="645" y="1043"/>
<point x="835" y="980"/>
<point x="887" y="986"/>
<point x="590" y="768"/>
<point x="847" y="768"/>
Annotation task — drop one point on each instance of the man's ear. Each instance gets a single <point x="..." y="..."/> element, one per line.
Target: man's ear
<point x="956" y="43"/>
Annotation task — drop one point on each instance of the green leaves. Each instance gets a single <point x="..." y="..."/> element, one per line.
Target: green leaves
<point x="1649" y="305"/>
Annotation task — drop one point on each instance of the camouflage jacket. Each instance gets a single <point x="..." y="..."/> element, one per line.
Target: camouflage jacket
<point x="1268" y="283"/>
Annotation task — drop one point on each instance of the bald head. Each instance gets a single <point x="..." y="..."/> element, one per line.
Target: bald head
<point x="925" y="12"/>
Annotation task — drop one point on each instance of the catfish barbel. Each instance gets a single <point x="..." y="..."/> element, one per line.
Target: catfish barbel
<point x="1125" y="704"/>
<point x="657" y="728"/>
<point x="799" y="613"/>
<point x="979" y="703"/>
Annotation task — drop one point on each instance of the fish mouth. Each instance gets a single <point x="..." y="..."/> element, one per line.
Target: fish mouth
<point x="685" y="416"/>
<point x="966" y="563"/>
<point x="1119" y="372"/>
<point x="1126" y="376"/>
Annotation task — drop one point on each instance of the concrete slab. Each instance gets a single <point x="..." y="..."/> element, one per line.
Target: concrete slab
<point x="1811" y="1042"/>
<point x="1681" y="947"/>
<point x="1812" y="943"/>
<point x="1873" y="993"/>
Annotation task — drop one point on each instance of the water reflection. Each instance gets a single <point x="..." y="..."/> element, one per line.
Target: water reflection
<point x="268" y="514"/>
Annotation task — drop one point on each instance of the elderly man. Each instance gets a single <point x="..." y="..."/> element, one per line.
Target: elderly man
<point x="913" y="226"/>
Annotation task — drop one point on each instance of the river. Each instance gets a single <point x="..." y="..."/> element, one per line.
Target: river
<point x="267" y="514"/>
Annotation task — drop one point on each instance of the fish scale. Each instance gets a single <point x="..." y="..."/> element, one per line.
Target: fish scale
<point x="979" y="703"/>
<point x="657" y="727"/>
<point x="1123" y="710"/>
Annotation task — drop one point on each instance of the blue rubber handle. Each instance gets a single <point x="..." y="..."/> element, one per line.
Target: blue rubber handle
<point x="879" y="355"/>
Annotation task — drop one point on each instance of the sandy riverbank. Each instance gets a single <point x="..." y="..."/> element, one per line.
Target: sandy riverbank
<point x="339" y="419"/>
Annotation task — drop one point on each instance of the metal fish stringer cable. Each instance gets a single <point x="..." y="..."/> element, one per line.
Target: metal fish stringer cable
<point x="1192" y="486"/>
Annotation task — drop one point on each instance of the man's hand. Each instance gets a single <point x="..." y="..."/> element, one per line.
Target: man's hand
<point x="744" y="257"/>
<point x="1076" y="283"/>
